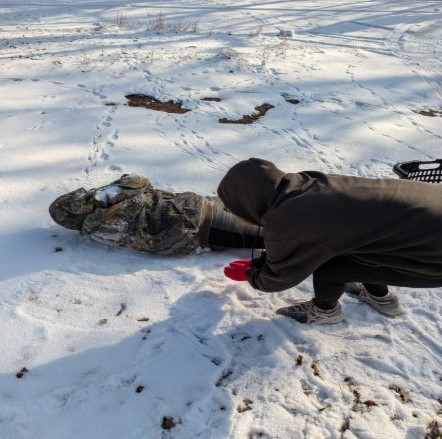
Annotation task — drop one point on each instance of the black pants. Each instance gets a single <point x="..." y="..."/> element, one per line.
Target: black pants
<point x="329" y="280"/>
<point x="229" y="231"/>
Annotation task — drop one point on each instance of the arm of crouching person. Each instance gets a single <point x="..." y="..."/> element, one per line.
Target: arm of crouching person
<point x="287" y="263"/>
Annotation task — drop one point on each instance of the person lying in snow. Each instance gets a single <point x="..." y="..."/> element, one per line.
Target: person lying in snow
<point x="353" y="234"/>
<point x="131" y="213"/>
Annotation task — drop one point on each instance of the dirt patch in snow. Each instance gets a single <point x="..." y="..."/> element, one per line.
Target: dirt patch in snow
<point x="429" y="113"/>
<point x="169" y="422"/>
<point x="151" y="103"/>
<point x="292" y="101"/>
<point x="22" y="372"/>
<point x="261" y="110"/>
<point x="211" y="99"/>
<point x="433" y="431"/>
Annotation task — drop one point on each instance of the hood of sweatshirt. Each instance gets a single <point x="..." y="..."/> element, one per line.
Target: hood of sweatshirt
<point x="250" y="187"/>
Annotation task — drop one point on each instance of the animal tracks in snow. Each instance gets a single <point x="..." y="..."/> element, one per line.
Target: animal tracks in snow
<point x="117" y="343"/>
<point x="104" y="136"/>
<point x="103" y="140"/>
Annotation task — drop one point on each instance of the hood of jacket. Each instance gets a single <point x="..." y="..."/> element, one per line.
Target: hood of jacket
<point x="250" y="187"/>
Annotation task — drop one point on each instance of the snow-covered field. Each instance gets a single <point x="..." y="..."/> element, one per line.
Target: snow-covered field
<point x="119" y="345"/>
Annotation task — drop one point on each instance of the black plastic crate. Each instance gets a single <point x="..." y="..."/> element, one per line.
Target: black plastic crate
<point x="430" y="172"/>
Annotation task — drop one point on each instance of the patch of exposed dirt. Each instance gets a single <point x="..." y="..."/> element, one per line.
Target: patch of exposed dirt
<point x="292" y="100"/>
<point x="143" y="319"/>
<point x="22" y="372"/>
<point x="433" y="431"/>
<point x="402" y="393"/>
<point x="225" y="375"/>
<point x="345" y="425"/>
<point x="315" y="368"/>
<point x="211" y="99"/>
<point x="169" y="422"/>
<point x="429" y="113"/>
<point x="151" y="103"/>
<point x="245" y="406"/>
<point x="258" y="435"/>
<point x="123" y="308"/>
<point x="139" y="389"/>
<point x="249" y="118"/>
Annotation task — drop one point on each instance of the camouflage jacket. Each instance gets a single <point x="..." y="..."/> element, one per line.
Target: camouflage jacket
<point x="131" y="213"/>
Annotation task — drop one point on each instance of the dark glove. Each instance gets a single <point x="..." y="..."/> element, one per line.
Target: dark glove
<point x="236" y="270"/>
<point x="258" y="263"/>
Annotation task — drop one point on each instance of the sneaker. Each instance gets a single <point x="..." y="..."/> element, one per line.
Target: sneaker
<point x="388" y="304"/>
<point x="309" y="312"/>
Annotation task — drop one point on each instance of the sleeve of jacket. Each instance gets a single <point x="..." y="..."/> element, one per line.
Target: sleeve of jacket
<point x="288" y="263"/>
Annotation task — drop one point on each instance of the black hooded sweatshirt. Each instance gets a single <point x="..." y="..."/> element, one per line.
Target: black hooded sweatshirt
<point x="310" y="217"/>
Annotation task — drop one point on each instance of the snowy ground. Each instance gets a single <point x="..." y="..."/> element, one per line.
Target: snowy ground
<point x="114" y="341"/>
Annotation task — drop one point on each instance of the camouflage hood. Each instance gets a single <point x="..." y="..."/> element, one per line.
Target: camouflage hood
<point x="71" y="210"/>
<point x="131" y="213"/>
